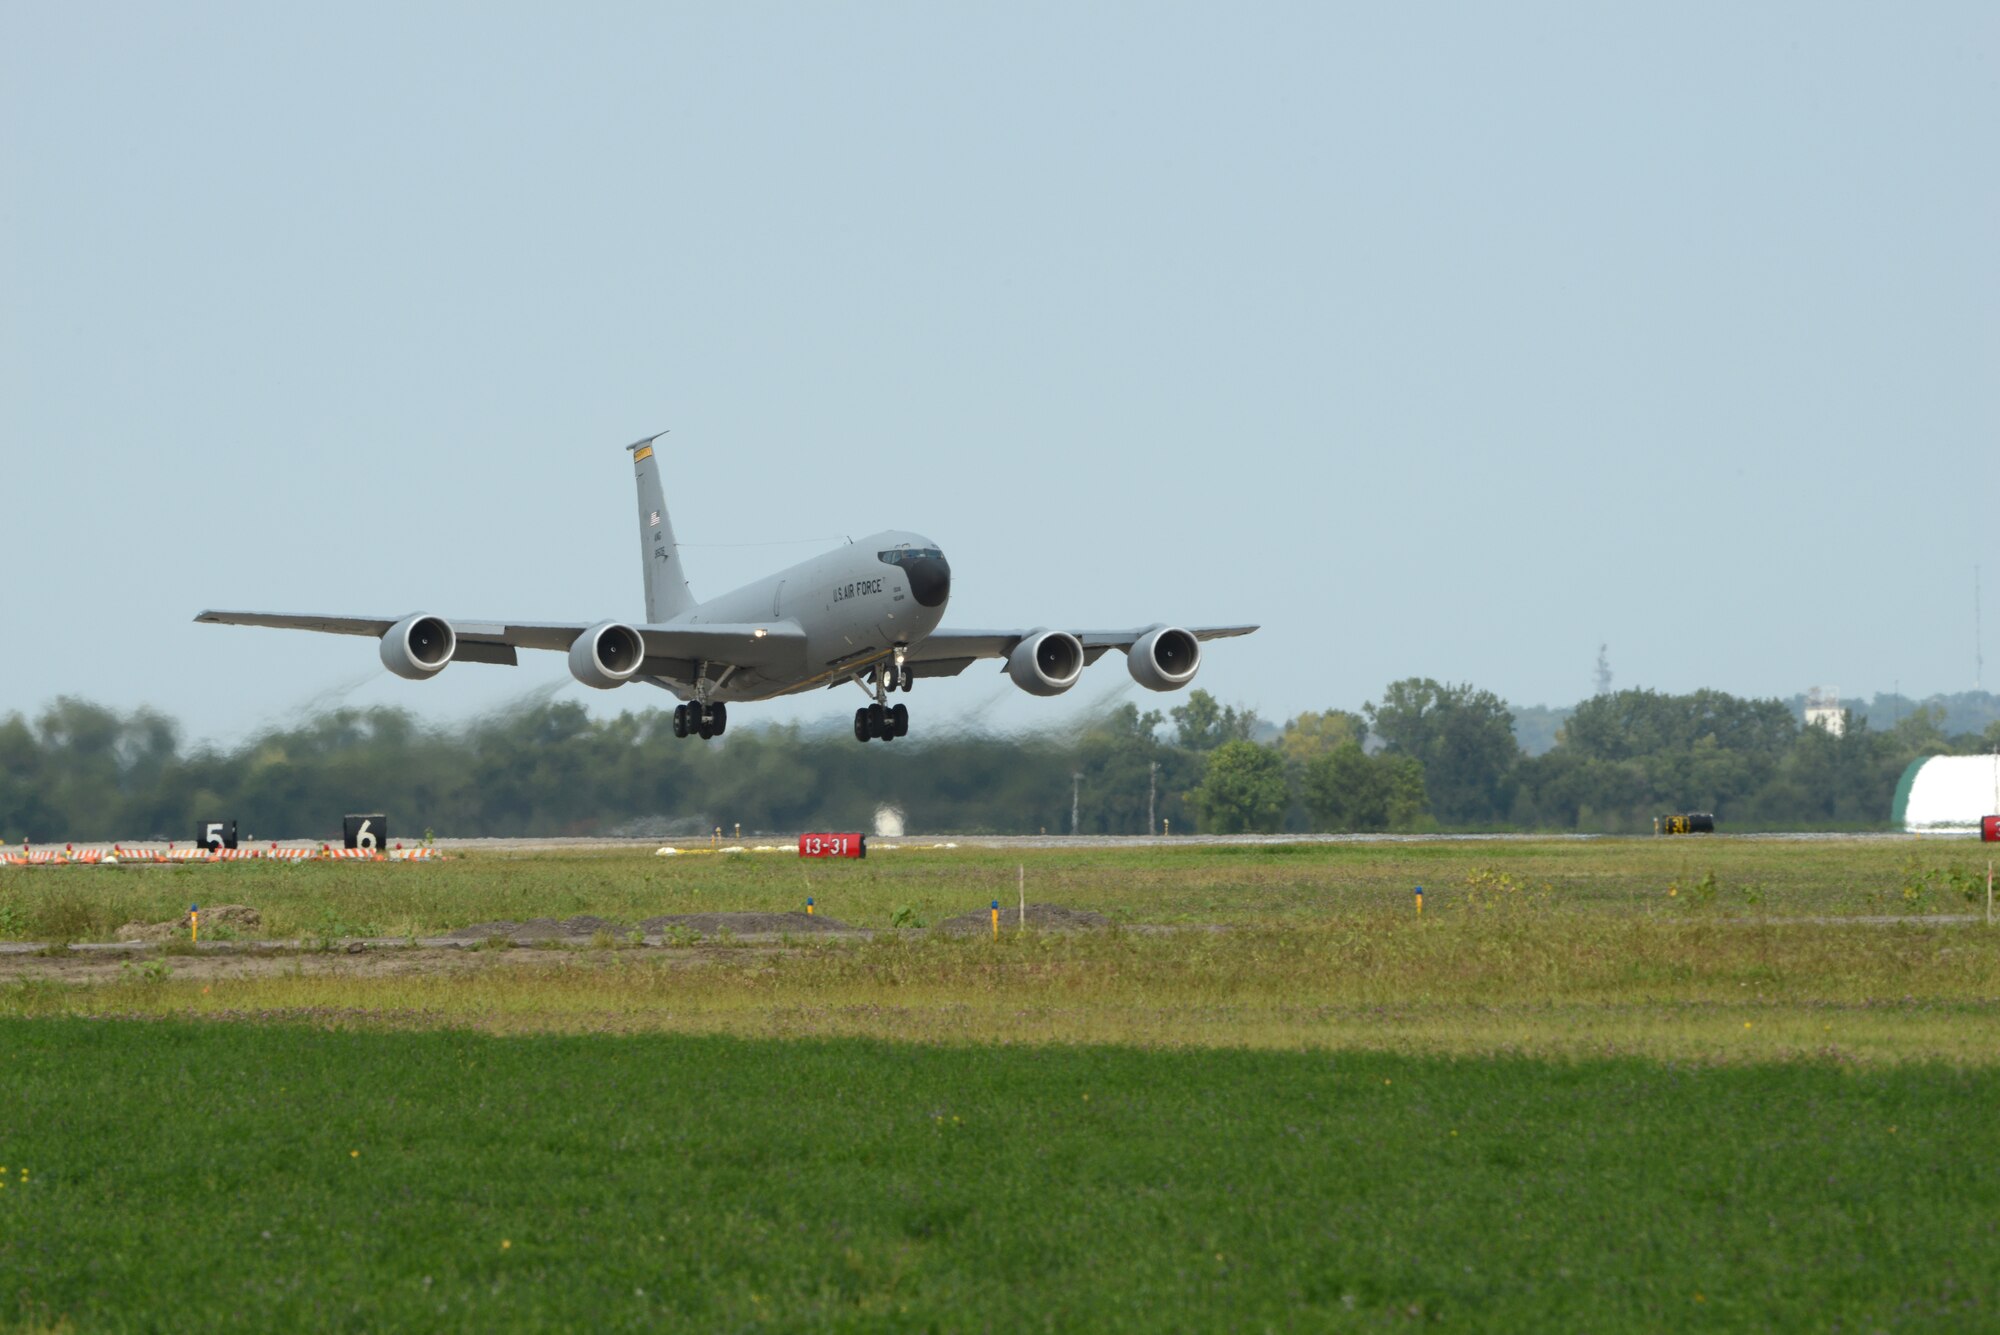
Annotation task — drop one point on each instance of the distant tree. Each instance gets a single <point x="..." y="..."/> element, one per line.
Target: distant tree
<point x="1312" y="735"/>
<point x="1921" y="732"/>
<point x="1625" y="724"/>
<point x="1462" y="736"/>
<point x="1242" y="790"/>
<point x="1203" y="724"/>
<point x="1347" y="789"/>
<point x="1124" y="764"/>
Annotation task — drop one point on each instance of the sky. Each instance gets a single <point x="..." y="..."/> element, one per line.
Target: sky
<point x="1444" y="340"/>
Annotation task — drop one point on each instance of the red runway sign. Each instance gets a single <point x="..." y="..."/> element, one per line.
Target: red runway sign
<point x="833" y="845"/>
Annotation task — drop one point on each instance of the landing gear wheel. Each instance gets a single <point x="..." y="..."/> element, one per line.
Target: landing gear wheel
<point x="861" y="725"/>
<point x="706" y="728"/>
<point x="719" y="715"/>
<point x="680" y="720"/>
<point x="899" y="720"/>
<point x="909" y="680"/>
<point x="878" y="719"/>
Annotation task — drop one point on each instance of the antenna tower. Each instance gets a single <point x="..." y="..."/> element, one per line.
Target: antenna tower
<point x="1604" y="669"/>
<point x="1978" y="647"/>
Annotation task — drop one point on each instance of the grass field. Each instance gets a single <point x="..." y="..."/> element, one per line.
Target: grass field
<point x="1529" y="982"/>
<point x="1602" y="1085"/>
<point x="217" y="1177"/>
<point x="1268" y="884"/>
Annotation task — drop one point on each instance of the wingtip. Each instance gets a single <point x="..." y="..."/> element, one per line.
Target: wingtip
<point x="642" y="443"/>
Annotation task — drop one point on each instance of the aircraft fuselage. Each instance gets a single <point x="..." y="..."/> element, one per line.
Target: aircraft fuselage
<point x="853" y="607"/>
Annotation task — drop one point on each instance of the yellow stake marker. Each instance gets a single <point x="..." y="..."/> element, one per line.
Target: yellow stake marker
<point x="809" y="906"/>
<point x="996" y="920"/>
<point x="1420" y="901"/>
<point x="194" y="924"/>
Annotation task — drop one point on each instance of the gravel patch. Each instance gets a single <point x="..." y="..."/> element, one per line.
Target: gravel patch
<point x="741" y="924"/>
<point x="701" y="924"/>
<point x="1042" y="917"/>
<point x="540" y="929"/>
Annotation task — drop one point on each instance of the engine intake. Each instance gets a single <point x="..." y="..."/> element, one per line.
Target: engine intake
<point x="417" y="647"/>
<point x="1046" y="662"/>
<point x="1165" y="658"/>
<point x="606" y="655"/>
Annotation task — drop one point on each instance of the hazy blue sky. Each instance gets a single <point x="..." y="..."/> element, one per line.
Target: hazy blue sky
<point x="1444" y="340"/>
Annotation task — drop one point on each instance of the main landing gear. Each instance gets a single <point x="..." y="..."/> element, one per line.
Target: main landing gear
<point x="877" y="721"/>
<point x="881" y="720"/>
<point x="704" y="721"/>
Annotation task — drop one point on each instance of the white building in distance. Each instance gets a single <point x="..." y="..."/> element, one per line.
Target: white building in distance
<point x="1823" y="710"/>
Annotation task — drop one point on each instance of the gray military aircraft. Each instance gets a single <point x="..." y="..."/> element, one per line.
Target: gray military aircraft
<point x="867" y="613"/>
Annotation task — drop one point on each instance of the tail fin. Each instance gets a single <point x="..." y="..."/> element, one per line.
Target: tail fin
<point x="667" y="591"/>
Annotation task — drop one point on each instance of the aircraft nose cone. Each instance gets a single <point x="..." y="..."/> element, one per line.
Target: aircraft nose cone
<point x="930" y="579"/>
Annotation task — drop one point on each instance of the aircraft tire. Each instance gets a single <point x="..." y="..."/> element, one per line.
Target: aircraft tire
<point x="720" y="713"/>
<point x="899" y="721"/>
<point x="680" y="720"/>
<point x="860" y="725"/>
<point x="706" y="730"/>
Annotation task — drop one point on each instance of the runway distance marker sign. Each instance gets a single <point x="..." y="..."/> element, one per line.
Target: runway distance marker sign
<point x="833" y="845"/>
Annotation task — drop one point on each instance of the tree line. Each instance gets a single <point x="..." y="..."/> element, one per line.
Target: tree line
<point x="1424" y="756"/>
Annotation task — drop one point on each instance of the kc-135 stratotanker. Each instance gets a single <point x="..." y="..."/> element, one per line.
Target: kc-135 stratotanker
<point x="867" y="613"/>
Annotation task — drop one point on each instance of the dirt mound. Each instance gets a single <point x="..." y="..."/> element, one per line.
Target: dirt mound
<point x="740" y="924"/>
<point x="237" y="918"/>
<point x="1041" y="917"/>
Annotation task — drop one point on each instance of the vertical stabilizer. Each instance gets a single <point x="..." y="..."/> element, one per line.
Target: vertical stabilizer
<point x="667" y="592"/>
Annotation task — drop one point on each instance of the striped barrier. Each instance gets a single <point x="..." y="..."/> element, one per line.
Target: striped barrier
<point x="95" y="857"/>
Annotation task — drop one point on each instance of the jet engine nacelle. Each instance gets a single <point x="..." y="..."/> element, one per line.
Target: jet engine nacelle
<point x="1165" y="658"/>
<point x="1046" y="662"/>
<point x="606" y="655"/>
<point x="417" y="647"/>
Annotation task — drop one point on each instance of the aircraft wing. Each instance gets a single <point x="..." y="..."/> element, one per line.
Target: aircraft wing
<point x="779" y="647"/>
<point x="965" y="645"/>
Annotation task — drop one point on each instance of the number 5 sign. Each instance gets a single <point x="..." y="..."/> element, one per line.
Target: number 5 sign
<point x="367" y="833"/>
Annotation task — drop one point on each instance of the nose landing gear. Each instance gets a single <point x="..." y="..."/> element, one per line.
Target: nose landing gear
<point x="881" y="720"/>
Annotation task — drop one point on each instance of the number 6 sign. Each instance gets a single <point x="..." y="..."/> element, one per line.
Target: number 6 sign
<point x="367" y="833"/>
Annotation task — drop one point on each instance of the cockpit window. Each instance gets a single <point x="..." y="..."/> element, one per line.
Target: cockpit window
<point x="929" y="573"/>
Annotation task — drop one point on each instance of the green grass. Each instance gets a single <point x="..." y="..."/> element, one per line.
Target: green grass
<point x="217" y="1177"/>
<point x="1511" y="978"/>
<point x="1227" y="884"/>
